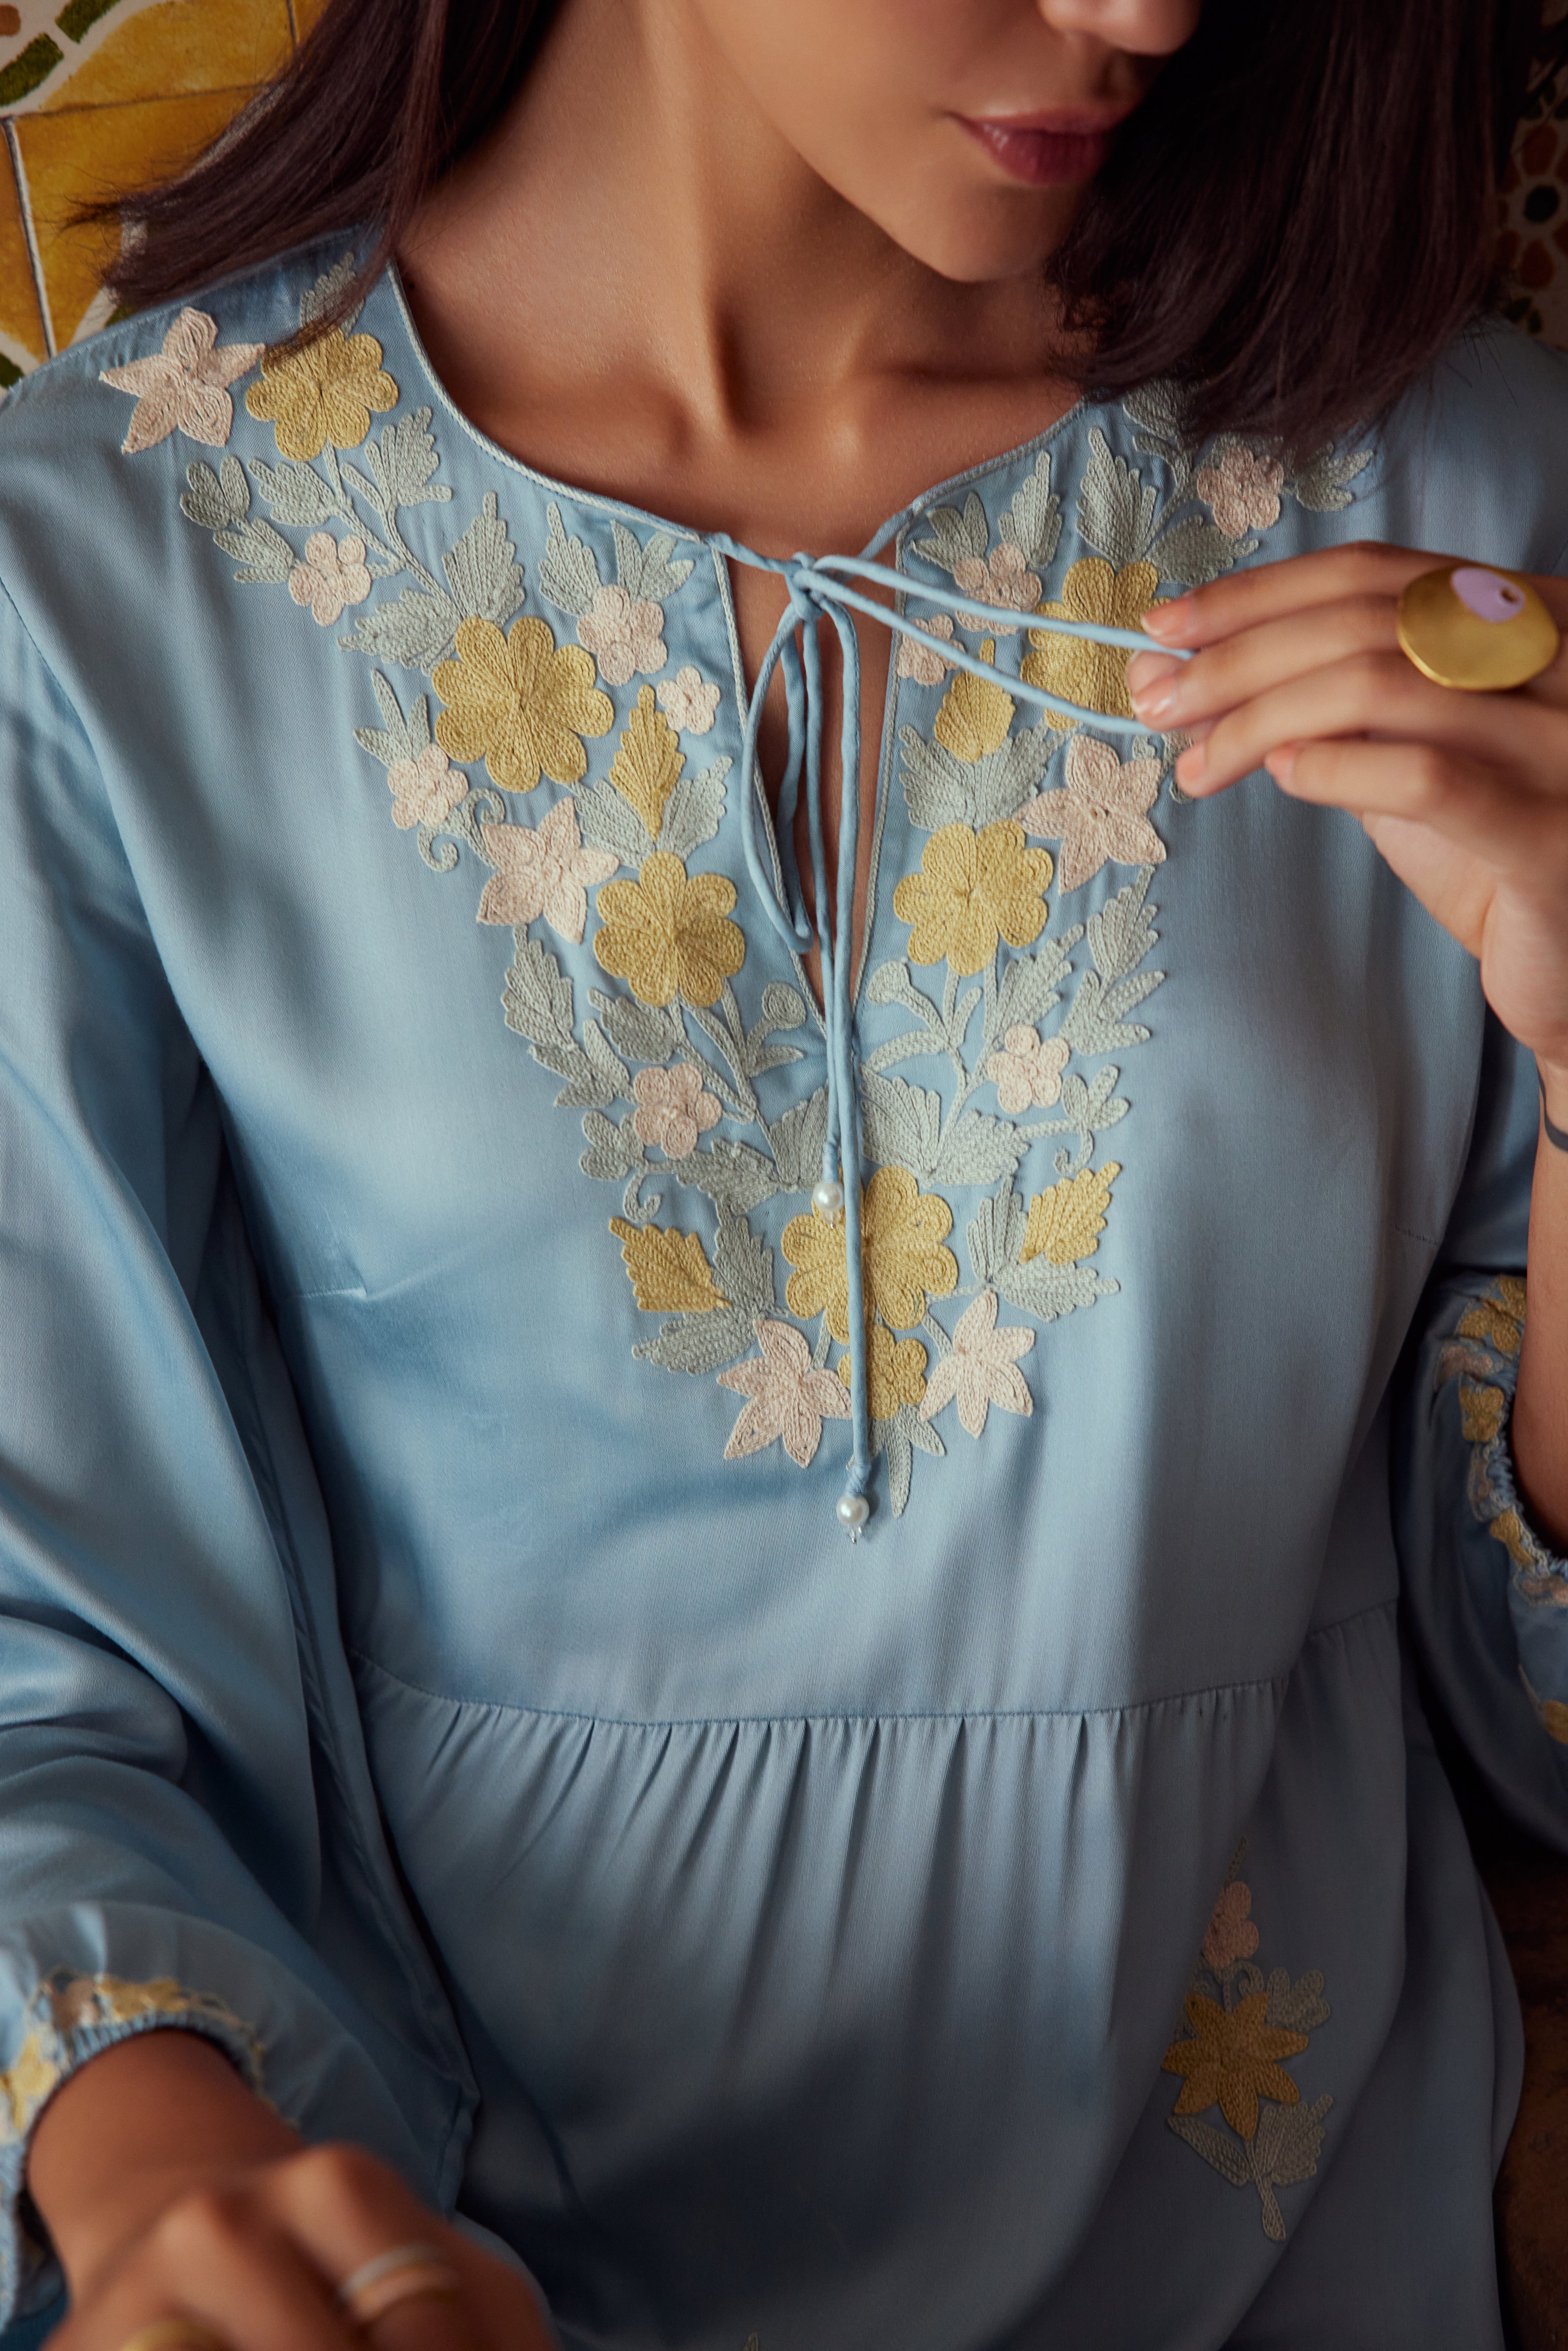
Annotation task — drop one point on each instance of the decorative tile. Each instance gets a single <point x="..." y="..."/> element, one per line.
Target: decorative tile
<point x="170" y="48"/>
<point x="21" y="326"/>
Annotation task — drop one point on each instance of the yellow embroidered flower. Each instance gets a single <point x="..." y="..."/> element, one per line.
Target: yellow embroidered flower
<point x="1499" y="1320"/>
<point x="324" y="391"/>
<point x="669" y="933"/>
<point x="28" y="2083"/>
<point x="895" y="1371"/>
<point x="521" y="702"/>
<point x="970" y="888"/>
<point x="1480" y="1413"/>
<point x="1079" y="671"/>
<point x="1066" y="1221"/>
<point x="1231" y="2062"/>
<point x="903" y="1261"/>
<point x="975" y="715"/>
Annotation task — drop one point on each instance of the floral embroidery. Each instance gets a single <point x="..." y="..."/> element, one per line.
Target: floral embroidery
<point x="923" y="664"/>
<point x="980" y="1368"/>
<point x="1484" y="1357"/>
<point x="331" y="576"/>
<point x="971" y="889"/>
<point x="647" y="767"/>
<point x="896" y="1373"/>
<point x="674" y="1108"/>
<point x="184" y="387"/>
<point x="624" y="636"/>
<point x="1101" y="813"/>
<point x="902" y="1258"/>
<point x="1066" y="1222"/>
<point x="66" y="2006"/>
<point x="1002" y="577"/>
<point x="788" y="1397"/>
<point x="670" y="1274"/>
<point x="1242" y="488"/>
<point x="426" y="788"/>
<point x="1029" y="1070"/>
<point x="688" y="702"/>
<point x="519" y="702"/>
<point x="669" y="933"/>
<point x="543" y="871"/>
<point x="975" y="716"/>
<point x="321" y="391"/>
<point x="1243" y="2028"/>
<point x="1075" y="668"/>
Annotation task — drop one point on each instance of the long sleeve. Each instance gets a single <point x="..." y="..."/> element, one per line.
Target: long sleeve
<point x="1486" y="1598"/>
<point x="188" y="1835"/>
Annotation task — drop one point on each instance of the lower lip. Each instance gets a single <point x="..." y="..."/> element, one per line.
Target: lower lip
<point x="1042" y="158"/>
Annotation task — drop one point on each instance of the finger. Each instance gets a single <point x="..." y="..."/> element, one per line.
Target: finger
<point x="1467" y="803"/>
<point x="1383" y="696"/>
<point x="1172" y="695"/>
<point x="213" y="2259"/>
<point x="1270" y="592"/>
<point x="345" y="2210"/>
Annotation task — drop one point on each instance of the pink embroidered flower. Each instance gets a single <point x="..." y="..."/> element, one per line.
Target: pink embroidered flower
<point x="981" y="1368"/>
<point x="1029" y="1070"/>
<point x="543" y="870"/>
<point x="1242" y="490"/>
<point x="1000" y="577"/>
<point x="1232" y="1934"/>
<point x="333" y="574"/>
<point x="687" y="702"/>
<point x="425" y="789"/>
<point x="1100" y="816"/>
<point x="923" y="664"/>
<point x="789" y="1396"/>
<point x="184" y="386"/>
<point x="673" y="1109"/>
<point x="624" y="636"/>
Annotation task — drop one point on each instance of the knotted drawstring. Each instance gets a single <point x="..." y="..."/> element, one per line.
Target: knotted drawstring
<point x="818" y="591"/>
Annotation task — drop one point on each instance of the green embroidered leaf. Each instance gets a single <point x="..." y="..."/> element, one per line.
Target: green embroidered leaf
<point x="1033" y="523"/>
<point x="317" y="300"/>
<point x="1229" y="2156"/>
<point x="1051" y="1290"/>
<point x="730" y="1173"/>
<point x="889" y="983"/>
<point x="403" y="738"/>
<point x="1299" y="2007"/>
<point x="539" y="1005"/>
<point x="1030" y="986"/>
<point x="1156" y="410"/>
<point x="1322" y="486"/>
<point x="1096" y="1022"/>
<point x="1001" y="782"/>
<point x="482" y="570"/>
<point x="695" y="810"/>
<point x="568" y="575"/>
<point x="404" y="462"/>
<point x="1122" y="933"/>
<point x="892" y="1439"/>
<point x="782" y="1007"/>
<point x="700" y="1343"/>
<point x="743" y="1266"/>
<point x="1195" y="552"/>
<point x="646" y="572"/>
<point x="415" y="631"/>
<point x="611" y="823"/>
<point x="978" y="1149"/>
<point x="935" y="784"/>
<point x="956" y="538"/>
<point x="613" y="1153"/>
<point x="643" y="1032"/>
<point x="261" y="553"/>
<point x="796" y="1141"/>
<point x="296" y="492"/>
<point x="1288" y="2138"/>
<point x="995" y="1235"/>
<point x="213" y="502"/>
<point x="1115" y="513"/>
<point x="901" y="1125"/>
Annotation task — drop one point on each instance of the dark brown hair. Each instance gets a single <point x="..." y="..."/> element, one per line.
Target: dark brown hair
<point x="1294" y="224"/>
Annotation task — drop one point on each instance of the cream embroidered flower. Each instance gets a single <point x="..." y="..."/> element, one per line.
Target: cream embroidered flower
<point x="669" y="933"/>
<point x="333" y="574"/>
<point x="324" y="391"/>
<point x="623" y="635"/>
<point x="923" y="664"/>
<point x="1100" y="816"/>
<point x="895" y="1371"/>
<point x="1230" y="1934"/>
<point x="981" y="1369"/>
<point x="1242" y="490"/>
<point x="1001" y="578"/>
<point x="1029" y="1070"/>
<point x="425" y="789"/>
<point x="185" y="386"/>
<point x="971" y="889"/>
<point x="903" y="1261"/>
<point x="1075" y="668"/>
<point x="688" y="702"/>
<point x="543" y="870"/>
<point x="520" y="700"/>
<point x="788" y="1395"/>
<point x="673" y="1107"/>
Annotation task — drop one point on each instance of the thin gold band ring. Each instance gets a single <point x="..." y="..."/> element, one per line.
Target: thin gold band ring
<point x="401" y="2274"/>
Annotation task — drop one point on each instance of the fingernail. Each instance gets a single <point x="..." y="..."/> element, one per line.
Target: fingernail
<point x="1151" y="682"/>
<point x="1190" y="768"/>
<point x="1172" y="621"/>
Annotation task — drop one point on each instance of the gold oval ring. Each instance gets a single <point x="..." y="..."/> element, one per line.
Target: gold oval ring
<point x="174" y="2334"/>
<point x="1475" y="627"/>
<point x="401" y="2274"/>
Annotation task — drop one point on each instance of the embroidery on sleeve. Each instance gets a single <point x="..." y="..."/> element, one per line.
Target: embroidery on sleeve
<point x="1243" y="2028"/>
<point x="1483" y="1357"/>
<point x="185" y="387"/>
<point x="73" y="2016"/>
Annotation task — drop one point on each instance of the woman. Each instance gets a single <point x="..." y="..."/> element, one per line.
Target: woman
<point x="466" y="1799"/>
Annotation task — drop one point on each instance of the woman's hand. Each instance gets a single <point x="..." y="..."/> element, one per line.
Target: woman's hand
<point x="1465" y="795"/>
<point x="172" y="2193"/>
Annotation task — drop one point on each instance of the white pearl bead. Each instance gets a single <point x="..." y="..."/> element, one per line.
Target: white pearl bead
<point x="828" y="1199"/>
<point x="853" y="1511"/>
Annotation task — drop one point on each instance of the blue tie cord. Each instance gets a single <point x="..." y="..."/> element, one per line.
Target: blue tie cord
<point x="818" y="591"/>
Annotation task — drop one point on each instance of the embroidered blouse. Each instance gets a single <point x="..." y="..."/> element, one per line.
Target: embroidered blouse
<point x="432" y="1668"/>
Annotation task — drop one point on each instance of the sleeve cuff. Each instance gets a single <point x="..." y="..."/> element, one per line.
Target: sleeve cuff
<point x="70" y="2019"/>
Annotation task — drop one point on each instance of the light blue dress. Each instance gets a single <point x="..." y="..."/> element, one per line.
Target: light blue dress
<point x="432" y="1663"/>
